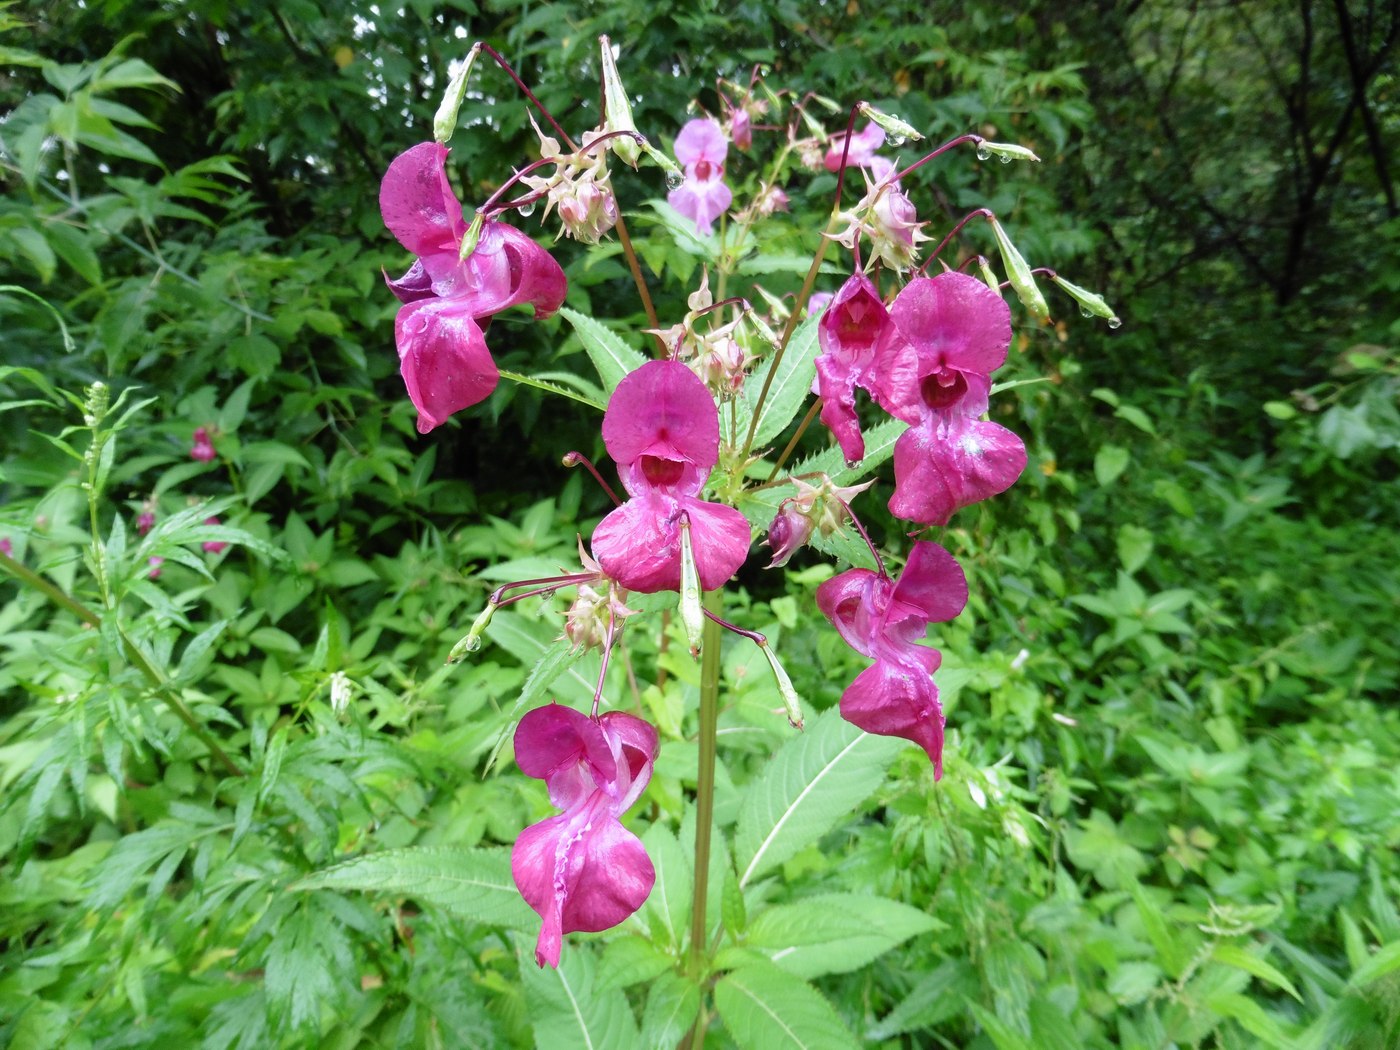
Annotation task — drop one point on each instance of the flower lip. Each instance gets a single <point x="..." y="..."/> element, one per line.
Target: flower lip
<point x="941" y="390"/>
<point x="662" y="410"/>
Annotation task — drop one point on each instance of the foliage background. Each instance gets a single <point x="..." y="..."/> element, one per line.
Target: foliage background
<point x="1168" y="816"/>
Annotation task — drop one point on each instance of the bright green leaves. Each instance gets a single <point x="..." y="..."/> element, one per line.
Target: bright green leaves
<point x="766" y="1008"/>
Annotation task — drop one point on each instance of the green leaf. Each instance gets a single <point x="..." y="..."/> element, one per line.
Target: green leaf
<point x="765" y="1008"/>
<point x="1385" y="961"/>
<point x="812" y="784"/>
<point x="834" y="932"/>
<point x="567" y="1008"/>
<point x="475" y="884"/>
<point x="1234" y="955"/>
<point x="672" y="1005"/>
<point x="1109" y="462"/>
<point x="667" y="909"/>
<point x="1002" y="1035"/>
<point x="1251" y="1017"/>
<point x="610" y="355"/>
<point x="790" y="386"/>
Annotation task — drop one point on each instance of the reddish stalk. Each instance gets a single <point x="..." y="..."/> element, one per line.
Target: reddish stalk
<point x="573" y="459"/>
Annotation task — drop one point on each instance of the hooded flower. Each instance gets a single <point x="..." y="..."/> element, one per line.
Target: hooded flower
<point x="662" y="430"/>
<point x="885" y="619"/>
<point x="582" y="870"/>
<point x="702" y="197"/>
<point x="852" y="334"/>
<point x="864" y="143"/>
<point x="442" y="349"/>
<point x="953" y="333"/>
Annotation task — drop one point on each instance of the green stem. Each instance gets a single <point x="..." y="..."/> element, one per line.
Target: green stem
<point x="705" y="789"/>
<point x="133" y="653"/>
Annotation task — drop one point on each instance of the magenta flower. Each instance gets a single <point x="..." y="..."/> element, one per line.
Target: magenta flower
<point x="662" y="430"/>
<point x="202" y="449"/>
<point x="886" y="619"/>
<point x="955" y="332"/>
<point x="582" y="870"/>
<point x="6" y="547"/>
<point x="442" y="348"/>
<point x="702" y="197"/>
<point x="155" y="561"/>
<point x="853" y="334"/>
<point x="864" y="143"/>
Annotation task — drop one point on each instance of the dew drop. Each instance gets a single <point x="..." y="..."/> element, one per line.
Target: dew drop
<point x="897" y="140"/>
<point x="1084" y="311"/>
<point x="526" y="210"/>
<point x="674" y="180"/>
<point x="1115" y="322"/>
<point x="1005" y="159"/>
<point x="983" y="153"/>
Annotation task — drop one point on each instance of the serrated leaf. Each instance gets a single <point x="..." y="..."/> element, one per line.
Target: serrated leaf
<point x="765" y="1008"/>
<point x="1234" y="955"/>
<point x="1250" y="1016"/>
<point x="834" y="932"/>
<point x="1002" y="1035"/>
<point x="667" y="909"/>
<point x="568" y="1009"/>
<point x="791" y="384"/>
<point x="610" y="355"/>
<point x="475" y="884"/>
<point x="672" y="1005"/>
<point x="818" y="779"/>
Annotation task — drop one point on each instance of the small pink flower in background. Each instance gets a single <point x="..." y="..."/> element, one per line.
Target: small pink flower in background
<point x="851" y="334"/>
<point x="702" y="197"/>
<point x="443" y="357"/>
<point x="887" y="619"/>
<point x="155" y="561"/>
<point x="214" y="546"/>
<point x="864" y="143"/>
<point x="954" y="332"/>
<point x="582" y="870"/>
<point x="662" y="430"/>
<point x="6" y="547"/>
<point x="203" y="448"/>
<point x="741" y="128"/>
<point x="819" y="301"/>
<point x="146" y="520"/>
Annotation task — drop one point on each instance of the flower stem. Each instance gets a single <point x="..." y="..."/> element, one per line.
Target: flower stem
<point x="705" y="786"/>
<point x="637" y="278"/>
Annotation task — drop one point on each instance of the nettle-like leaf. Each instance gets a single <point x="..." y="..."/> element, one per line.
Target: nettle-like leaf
<point x="816" y="780"/>
<point x="569" y="1008"/>
<point x="788" y="390"/>
<point x="610" y="355"/>
<point x="473" y="884"/>
<point x="766" y="1008"/>
<point x="835" y="932"/>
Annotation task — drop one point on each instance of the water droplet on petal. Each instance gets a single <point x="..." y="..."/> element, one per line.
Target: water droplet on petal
<point x="1115" y="322"/>
<point x="983" y="153"/>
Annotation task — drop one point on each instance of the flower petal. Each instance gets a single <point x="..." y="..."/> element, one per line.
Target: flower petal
<point x="940" y="469"/>
<point x="954" y="321"/>
<point x="508" y="268"/>
<point x="567" y="750"/>
<point x="720" y="537"/>
<point x="580" y="870"/>
<point x="894" y="698"/>
<point x="662" y="409"/>
<point x="932" y="584"/>
<point x="443" y="358"/>
<point x="702" y="201"/>
<point x="417" y="202"/>
<point x="701" y="140"/>
<point x="855" y="601"/>
<point x="636" y="742"/>
<point x="639" y="544"/>
<point x="416" y="284"/>
<point x="864" y="143"/>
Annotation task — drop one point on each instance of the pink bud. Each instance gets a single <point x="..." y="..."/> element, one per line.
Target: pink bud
<point x="154" y="561"/>
<point x="789" y="533"/>
<point x="214" y="546"/>
<point x="6" y="547"/>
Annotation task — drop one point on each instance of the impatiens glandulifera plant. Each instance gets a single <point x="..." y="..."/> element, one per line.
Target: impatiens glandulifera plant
<point x="691" y="434"/>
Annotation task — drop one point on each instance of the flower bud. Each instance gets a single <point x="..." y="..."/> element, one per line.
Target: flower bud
<point x="586" y="622"/>
<point x="1091" y="304"/>
<point x="472" y="641"/>
<point x="894" y="229"/>
<point x="990" y="278"/>
<point x="1019" y="274"/>
<point x="788" y="533"/>
<point x="619" y="109"/>
<point x="445" y="120"/>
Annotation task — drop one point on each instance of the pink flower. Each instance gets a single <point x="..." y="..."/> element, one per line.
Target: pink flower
<point x="886" y="619"/>
<point x="702" y="197"/>
<point x="145" y="521"/>
<point x="864" y="143"/>
<point x="662" y="430"/>
<point x="442" y="349"/>
<point x="582" y="870"/>
<point x="214" y="546"/>
<point x="853" y="334"/>
<point x="203" y="448"/>
<point x="155" y="561"/>
<point x="6" y="547"/>
<point x="954" y="332"/>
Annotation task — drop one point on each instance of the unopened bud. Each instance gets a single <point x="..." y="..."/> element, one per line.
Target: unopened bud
<point x="898" y="131"/>
<point x="788" y="533"/>
<point x="472" y="642"/>
<point x="619" y="109"/>
<point x="445" y="120"/>
<point x="1019" y="274"/>
<point x="692" y="611"/>
<point x="792" y="704"/>
<point x="987" y="275"/>
<point x="1090" y="302"/>
<point x="1006" y="151"/>
<point x="473" y="235"/>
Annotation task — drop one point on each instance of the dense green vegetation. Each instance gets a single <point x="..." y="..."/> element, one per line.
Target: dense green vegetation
<point x="1167" y="816"/>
